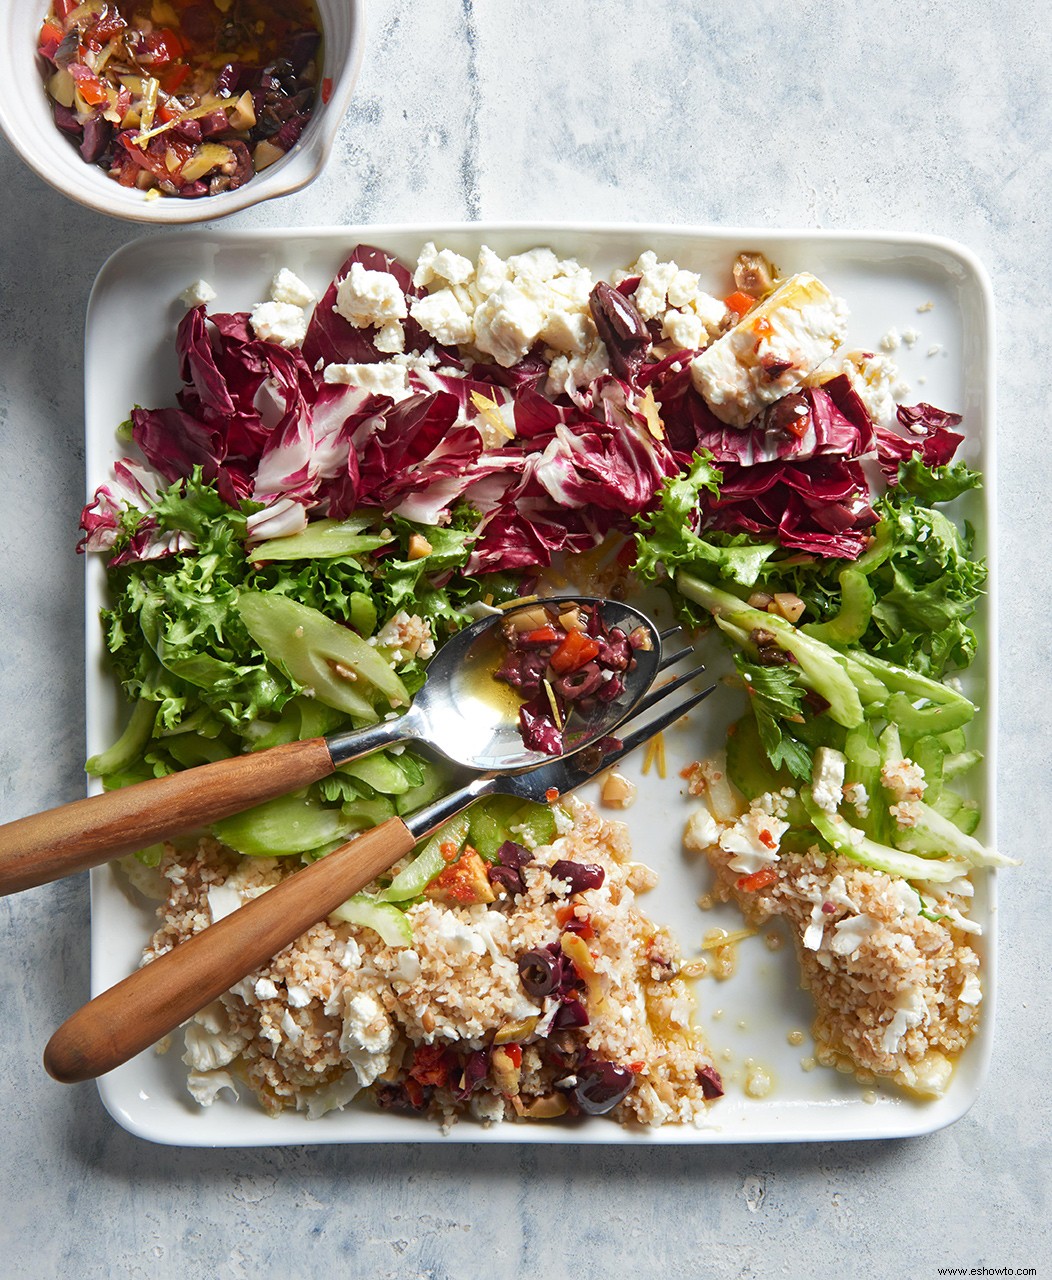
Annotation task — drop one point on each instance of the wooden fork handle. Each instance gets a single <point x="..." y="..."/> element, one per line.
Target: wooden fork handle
<point x="159" y="997"/>
<point x="47" y="846"/>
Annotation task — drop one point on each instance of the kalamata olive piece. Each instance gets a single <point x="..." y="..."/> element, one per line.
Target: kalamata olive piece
<point x="539" y="972"/>
<point x="579" y="875"/>
<point x="602" y="1086"/>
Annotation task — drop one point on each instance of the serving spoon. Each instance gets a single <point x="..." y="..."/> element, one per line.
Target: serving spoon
<point x="461" y="711"/>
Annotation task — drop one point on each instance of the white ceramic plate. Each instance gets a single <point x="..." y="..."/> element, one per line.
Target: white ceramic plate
<point x="750" y="1017"/>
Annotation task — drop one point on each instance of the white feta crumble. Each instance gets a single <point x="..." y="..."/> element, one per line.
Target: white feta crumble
<point x="754" y="841"/>
<point x="265" y="989"/>
<point x="382" y="379"/>
<point x="407" y="966"/>
<point x="684" y="328"/>
<point x="198" y="294"/>
<point x="971" y="991"/>
<point x="850" y="932"/>
<point x="293" y="1031"/>
<point x="910" y="1011"/>
<point x="366" y="1037"/>
<point x="223" y="900"/>
<point x="907" y="813"/>
<point x="878" y="384"/>
<point x="297" y="996"/>
<point x="891" y="340"/>
<point x="457" y="938"/>
<point x="910" y="337"/>
<point x="703" y="830"/>
<point x="827" y="778"/>
<point x="490" y="271"/>
<point x="442" y="264"/>
<point x="280" y="322"/>
<point x="443" y="317"/>
<point x="855" y="794"/>
<point x="288" y="287"/>
<point x="390" y="338"/>
<point x="507" y="324"/>
<point x="365" y="298"/>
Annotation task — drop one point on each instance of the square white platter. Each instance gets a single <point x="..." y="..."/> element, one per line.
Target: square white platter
<point x="752" y="1018"/>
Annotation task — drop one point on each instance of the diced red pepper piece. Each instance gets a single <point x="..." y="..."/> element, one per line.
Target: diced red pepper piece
<point x="91" y="88"/>
<point x="514" y="1053"/>
<point x="109" y="25"/>
<point x="543" y="635"/>
<point x="576" y="651"/>
<point x="758" y="880"/>
<point x="49" y="41"/>
<point x="174" y="77"/>
<point x="739" y="303"/>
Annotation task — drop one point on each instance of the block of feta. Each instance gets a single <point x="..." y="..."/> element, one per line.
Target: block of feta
<point x="198" y="294"/>
<point x="771" y="351"/>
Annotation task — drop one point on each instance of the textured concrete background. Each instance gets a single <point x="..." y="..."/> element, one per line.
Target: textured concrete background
<point x="922" y="117"/>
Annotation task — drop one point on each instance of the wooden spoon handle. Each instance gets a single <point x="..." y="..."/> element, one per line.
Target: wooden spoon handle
<point x="47" y="846"/>
<point x="159" y="997"/>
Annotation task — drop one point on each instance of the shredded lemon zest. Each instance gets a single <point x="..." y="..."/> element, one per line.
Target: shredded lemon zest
<point x="489" y="409"/>
<point x="554" y="705"/>
<point x="727" y="939"/>
<point x="648" y="408"/>
<point x="651" y="755"/>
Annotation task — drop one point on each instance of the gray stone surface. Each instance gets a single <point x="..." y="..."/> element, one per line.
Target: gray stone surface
<point x="921" y="117"/>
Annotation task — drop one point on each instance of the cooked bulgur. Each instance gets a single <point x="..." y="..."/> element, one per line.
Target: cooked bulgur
<point x="894" y="980"/>
<point x="458" y="1022"/>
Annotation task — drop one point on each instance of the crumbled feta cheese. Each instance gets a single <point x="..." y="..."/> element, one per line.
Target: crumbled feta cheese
<point x="703" y="830"/>
<point x="198" y="294"/>
<point x="684" y="328"/>
<point x="265" y="989"/>
<point x="971" y="991"/>
<point x="754" y="841"/>
<point x="279" y="322"/>
<point x="910" y="337"/>
<point x="442" y="316"/>
<point x="407" y="966"/>
<point x="827" y="779"/>
<point x="507" y="324"/>
<point x="382" y="379"/>
<point x="223" y="900"/>
<point x="891" y="340"/>
<point x="366" y="1037"/>
<point x="534" y="264"/>
<point x="390" y="338"/>
<point x="457" y="938"/>
<point x="878" y="384"/>
<point x="365" y="298"/>
<point x="651" y="295"/>
<point x="297" y="996"/>
<point x="288" y="287"/>
<point x="682" y="289"/>
<point x="910" y="1011"/>
<point x="771" y="350"/>
<point x="491" y="271"/>
<point x="851" y="932"/>
<point x="855" y="793"/>
<point x="441" y="264"/>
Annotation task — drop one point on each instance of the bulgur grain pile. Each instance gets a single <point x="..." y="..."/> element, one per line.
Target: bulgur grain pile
<point x="460" y="1022"/>
<point x="894" y="978"/>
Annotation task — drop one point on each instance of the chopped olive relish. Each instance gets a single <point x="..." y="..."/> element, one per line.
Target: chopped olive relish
<point x="181" y="97"/>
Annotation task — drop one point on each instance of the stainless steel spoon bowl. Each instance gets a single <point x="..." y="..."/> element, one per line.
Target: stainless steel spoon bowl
<point x="473" y="719"/>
